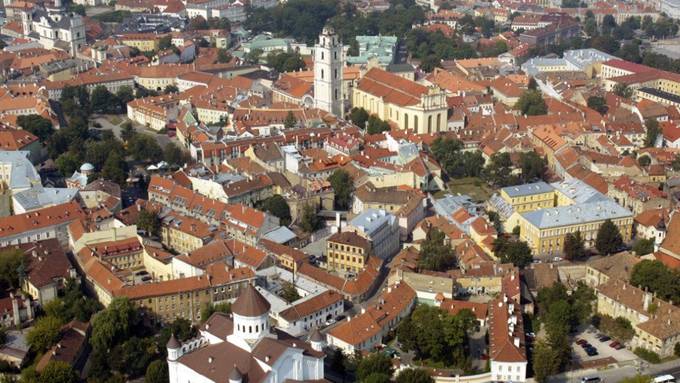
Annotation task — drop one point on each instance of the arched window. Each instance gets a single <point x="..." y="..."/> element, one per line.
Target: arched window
<point x="439" y="122"/>
<point x="429" y="124"/>
<point x="250" y="329"/>
<point x="322" y="74"/>
<point x="405" y="120"/>
<point x="415" y="123"/>
<point x="321" y="55"/>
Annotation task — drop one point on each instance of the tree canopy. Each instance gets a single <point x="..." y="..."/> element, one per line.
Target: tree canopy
<point x="574" y="246"/>
<point x="343" y="187"/>
<point x="435" y="253"/>
<point x="436" y="335"/>
<point x="608" y="239"/>
<point x="36" y="124"/>
<point x="512" y="251"/>
<point x="285" y="61"/>
<point x="277" y="206"/>
<point x="531" y="103"/>
<point x="456" y="162"/>
<point x="414" y="375"/>
<point x="374" y="363"/>
<point x="309" y="221"/>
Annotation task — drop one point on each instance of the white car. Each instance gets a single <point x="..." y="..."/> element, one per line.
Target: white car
<point x="330" y="322"/>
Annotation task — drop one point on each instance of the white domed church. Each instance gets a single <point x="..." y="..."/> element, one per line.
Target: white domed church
<point x="242" y="348"/>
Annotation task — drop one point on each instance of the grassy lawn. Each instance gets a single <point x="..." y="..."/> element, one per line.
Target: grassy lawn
<point x="472" y="186"/>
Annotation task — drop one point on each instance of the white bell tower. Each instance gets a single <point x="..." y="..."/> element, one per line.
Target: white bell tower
<point x="328" y="64"/>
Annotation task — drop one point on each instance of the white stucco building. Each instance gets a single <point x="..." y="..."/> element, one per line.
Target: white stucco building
<point x="328" y="64"/>
<point x="380" y="228"/>
<point x="242" y="347"/>
<point x="53" y="27"/>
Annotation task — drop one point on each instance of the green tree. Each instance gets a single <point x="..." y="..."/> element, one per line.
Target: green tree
<point x="375" y="125"/>
<point x="676" y="163"/>
<point x="277" y="206"/>
<point x="608" y="239"/>
<point x="618" y="328"/>
<point x="36" y="124"/>
<point x="374" y="363"/>
<point x="414" y="375"/>
<point x="113" y="325"/>
<point x="343" y="187"/>
<point x="165" y="42"/>
<point x="657" y="278"/>
<point x="644" y="246"/>
<point x="644" y="161"/>
<point x="309" y="221"/>
<point x="290" y="122"/>
<point x="125" y="94"/>
<point x="286" y="61"/>
<point x="209" y="309"/>
<point x="533" y="166"/>
<point x="67" y="163"/>
<point x="58" y="372"/>
<point x="170" y="89"/>
<point x="605" y="43"/>
<point x="198" y="23"/>
<point x="133" y="356"/>
<point x="157" y="372"/>
<point x="516" y="252"/>
<point x="359" y="117"/>
<point x="652" y="132"/>
<point x="12" y="264"/>
<point x="143" y="147"/>
<point x="127" y="131"/>
<point x="435" y="254"/>
<point x="456" y="162"/>
<point x="100" y="100"/>
<point x="149" y="221"/>
<point x="223" y="56"/>
<point x="531" y="103"/>
<point x="44" y="334"/>
<point x="598" y="103"/>
<point x="546" y="361"/>
<point x="622" y="90"/>
<point x="173" y="155"/>
<point x="289" y="292"/>
<point x="499" y="170"/>
<point x="574" y="246"/>
<point x="115" y="168"/>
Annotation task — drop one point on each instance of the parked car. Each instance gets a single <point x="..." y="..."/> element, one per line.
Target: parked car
<point x="591" y="379"/>
<point x="616" y="345"/>
<point x="330" y="322"/>
<point x="581" y="341"/>
<point x="605" y="338"/>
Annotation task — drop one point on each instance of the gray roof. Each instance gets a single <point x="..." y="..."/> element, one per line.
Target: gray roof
<point x="372" y="220"/>
<point x="579" y="191"/>
<point x="281" y="235"/>
<point x="527" y="189"/>
<point x="576" y="214"/>
<point x="23" y="174"/>
<point x="39" y="197"/>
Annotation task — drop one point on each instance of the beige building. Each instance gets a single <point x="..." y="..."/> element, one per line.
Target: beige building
<point x="407" y="104"/>
<point x="656" y="322"/>
<point x="184" y="234"/>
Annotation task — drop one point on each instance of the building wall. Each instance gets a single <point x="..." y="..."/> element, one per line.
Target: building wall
<point x="180" y="241"/>
<point x="532" y="202"/>
<point x="430" y="119"/>
<point x="551" y="240"/>
<point x="510" y="372"/>
<point x="345" y="257"/>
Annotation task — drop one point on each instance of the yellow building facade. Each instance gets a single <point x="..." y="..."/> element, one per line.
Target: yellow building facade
<point x="407" y="104"/>
<point x="347" y="252"/>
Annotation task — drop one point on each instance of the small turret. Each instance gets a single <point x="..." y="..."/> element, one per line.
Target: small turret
<point x="316" y="340"/>
<point x="173" y="347"/>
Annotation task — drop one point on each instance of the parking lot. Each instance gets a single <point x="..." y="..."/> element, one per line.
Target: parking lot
<point x="603" y="348"/>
